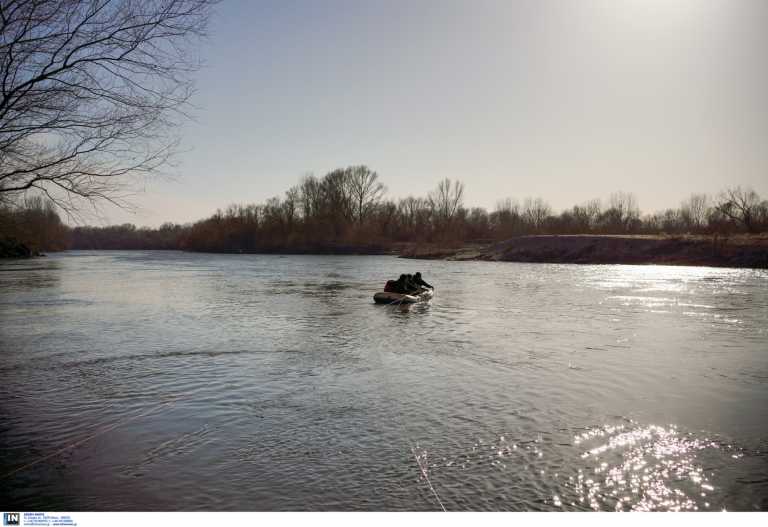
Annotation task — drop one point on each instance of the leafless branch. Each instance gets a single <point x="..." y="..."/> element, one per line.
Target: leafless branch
<point x="90" y="92"/>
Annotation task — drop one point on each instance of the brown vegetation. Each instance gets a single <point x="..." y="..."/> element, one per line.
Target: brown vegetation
<point x="31" y="228"/>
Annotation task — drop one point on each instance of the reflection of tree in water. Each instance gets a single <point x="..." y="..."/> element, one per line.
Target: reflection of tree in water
<point x="28" y="274"/>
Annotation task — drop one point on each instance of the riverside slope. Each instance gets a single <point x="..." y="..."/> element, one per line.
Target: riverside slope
<point x="715" y="251"/>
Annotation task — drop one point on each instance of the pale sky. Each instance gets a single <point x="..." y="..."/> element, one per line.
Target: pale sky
<point x="567" y="100"/>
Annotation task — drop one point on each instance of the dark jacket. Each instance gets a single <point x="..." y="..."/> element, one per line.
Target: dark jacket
<point x="418" y="281"/>
<point x="405" y="286"/>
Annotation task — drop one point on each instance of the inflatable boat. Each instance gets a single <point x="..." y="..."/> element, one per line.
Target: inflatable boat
<point x="384" y="297"/>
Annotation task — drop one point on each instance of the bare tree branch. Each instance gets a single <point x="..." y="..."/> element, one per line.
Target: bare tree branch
<point x="445" y="201"/>
<point x="90" y="92"/>
<point x="740" y="206"/>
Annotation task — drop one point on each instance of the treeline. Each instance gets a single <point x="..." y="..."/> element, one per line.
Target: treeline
<point x="347" y="211"/>
<point x="127" y="237"/>
<point x="347" y="208"/>
<point x="31" y="227"/>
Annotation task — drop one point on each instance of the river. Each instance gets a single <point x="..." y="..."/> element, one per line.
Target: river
<point x="179" y="381"/>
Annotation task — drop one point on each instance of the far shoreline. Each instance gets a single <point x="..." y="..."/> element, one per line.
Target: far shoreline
<point x="738" y="251"/>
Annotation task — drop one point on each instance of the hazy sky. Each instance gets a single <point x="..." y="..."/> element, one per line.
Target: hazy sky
<point x="567" y="100"/>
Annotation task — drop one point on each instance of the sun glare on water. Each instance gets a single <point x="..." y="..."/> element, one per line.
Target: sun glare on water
<point x="651" y="468"/>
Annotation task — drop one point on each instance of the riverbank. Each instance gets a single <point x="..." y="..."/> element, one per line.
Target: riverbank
<point x="13" y="248"/>
<point x="739" y="251"/>
<point x="743" y="251"/>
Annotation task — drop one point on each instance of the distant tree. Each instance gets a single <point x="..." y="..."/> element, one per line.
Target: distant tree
<point x="35" y="223"/>
<point x="622" y="215"/>
<point x="651" y="223"/>
<point x="273" y="213"/>
<point x="337" y="198"/>
<point x="365" y="191"/>
<point x="535" y="212"/>
<point x="445" y="201"/>
<point x="291" y="205"/>
<point x="672" y="221"/>
<point x="761" y="217"/>
<point x="694" y="210"/>
<point x="505" y="219"/>
<point x="414" y="217"/>
<point x="740" y="206"/>
<point x="383" y="219"/>
<point x="507" y="207"/>
<point x="310" y="197"/>
<point x="90" y="91"/>
<point x="586" y="216"/>
<point x="478" y="223"/>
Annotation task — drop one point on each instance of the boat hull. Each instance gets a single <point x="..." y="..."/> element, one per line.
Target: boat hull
<point x="384" y="297"/>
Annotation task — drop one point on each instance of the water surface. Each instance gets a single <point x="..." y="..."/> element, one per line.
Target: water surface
<point x="175" y="381"/>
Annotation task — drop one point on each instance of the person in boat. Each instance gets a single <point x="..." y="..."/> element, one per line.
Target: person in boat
<point x="411" y="286"/>
<point x="420" y="281"/>
<point x="396" y="286"/>
<point x="403" y="285"/>
<point x="407" y="284"/>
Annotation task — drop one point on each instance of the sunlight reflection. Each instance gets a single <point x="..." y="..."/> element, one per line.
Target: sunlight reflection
<point x="661" y="278"/>
<point x="621" y="467"/>
<point x="648" y="468"/>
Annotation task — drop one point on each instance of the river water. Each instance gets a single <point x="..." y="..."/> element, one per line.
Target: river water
<point x="176" y="381"/>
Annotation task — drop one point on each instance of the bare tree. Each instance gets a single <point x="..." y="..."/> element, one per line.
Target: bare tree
<point x="446" y="200"/>
<point x="310" y="197"/>
<point x="89" y="91"/>
<point x="586" y="216"/>
<point x="337" y="199"/>
<point x="365" y="191"/>
<point x="693" y="211"/>
<point x="291" y="205"/>
<point x="413" y="212"/>
<point x="740" y="206"/>
<point x="761" y="216"/>
<point x="671" y="220"/>
<point x="593" y="209"/>
<point x="535" y="212"/>
<point x="623" y="213"/>
<point x="626" y="204"/>
<point x="507" y="207"/>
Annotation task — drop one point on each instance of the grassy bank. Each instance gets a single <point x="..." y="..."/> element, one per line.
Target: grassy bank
<point x="746" y="251"/>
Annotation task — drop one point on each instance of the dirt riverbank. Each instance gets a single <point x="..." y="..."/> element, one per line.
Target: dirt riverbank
<point x="750" y="251"/>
